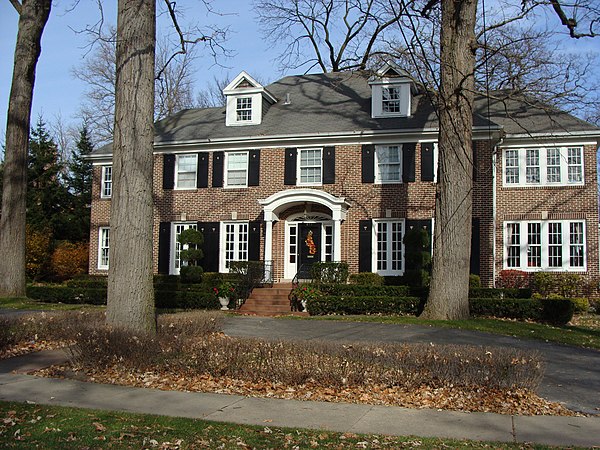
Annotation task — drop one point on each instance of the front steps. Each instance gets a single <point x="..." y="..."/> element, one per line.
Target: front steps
<point x="265" y="301"/>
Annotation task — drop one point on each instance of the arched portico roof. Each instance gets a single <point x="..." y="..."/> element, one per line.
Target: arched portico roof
<point x="282" y="200"/>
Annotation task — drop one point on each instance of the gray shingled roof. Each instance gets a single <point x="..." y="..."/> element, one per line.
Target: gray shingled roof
<point x="341" y="102"/>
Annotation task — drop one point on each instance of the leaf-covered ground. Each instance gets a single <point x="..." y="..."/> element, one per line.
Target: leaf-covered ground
<point x="25" y="426"/>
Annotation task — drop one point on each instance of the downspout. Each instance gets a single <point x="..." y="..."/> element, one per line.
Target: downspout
<point x="494" y="218"/>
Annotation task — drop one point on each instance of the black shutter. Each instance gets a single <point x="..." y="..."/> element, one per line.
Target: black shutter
<point x="329" y="165"/>
<point x="164" y="248"/>
<point x="427" y="161"/>
<point x="210" y="230"/>
<point x="368" y="163"/>
<point x="474" y="148"/>
<point x="408" y="162"/>
<point x="254" y="167"/>
<point x="289" y="172"/>
<point x="475" y="265"/>
<point x="168" y="171"/>
<point x="365" y="242"/>
<point x="217" y="172"/>
<point x="254" y="241"/>
<point x="202" y="175"/>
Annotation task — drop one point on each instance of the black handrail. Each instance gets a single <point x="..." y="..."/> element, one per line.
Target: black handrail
<point x="251" y="274"/>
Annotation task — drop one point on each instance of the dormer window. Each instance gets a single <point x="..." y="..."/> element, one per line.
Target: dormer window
<point x="390" y="99"/>
<point x="391" y="92"/>
<point x="247" y="101"/>
<point x="244" y="109"/>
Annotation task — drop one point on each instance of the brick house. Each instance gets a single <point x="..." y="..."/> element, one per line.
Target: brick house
<point x="348" y="162"/>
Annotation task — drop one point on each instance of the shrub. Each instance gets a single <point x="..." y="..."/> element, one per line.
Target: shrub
<point x="417" y="257"/>
<point x="88" y="282"/>
<point x="564" y="284"/>
<point x="581" y="304"/>
<point x="37" y="252"/>
<point x="191" y="274"/>
<point x="329" y="272"/>
<point x="557" y="311"/>
<point x="474" y="281"/>
<point x="363" y="305"/>
<point x="513" y="279"/>
<point x="67" y="295"/>
<point x="367" y="278"/>
<point x="69" y="260"/>
<point x="499" y="293"/>
<point x="185" y="300"/>
<point x="510" y="308"/>
<point x="359" y="290"/>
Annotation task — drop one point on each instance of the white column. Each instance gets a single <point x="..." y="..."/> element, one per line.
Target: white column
<point x="337" y="240"/>
<point x="269" y="250"/>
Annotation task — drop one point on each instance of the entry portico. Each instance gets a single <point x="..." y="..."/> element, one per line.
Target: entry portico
<point x="277" y="206"/>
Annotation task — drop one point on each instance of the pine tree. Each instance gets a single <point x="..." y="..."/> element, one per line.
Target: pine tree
<point x="47" y="196"/>
<point x="80" y="186"/>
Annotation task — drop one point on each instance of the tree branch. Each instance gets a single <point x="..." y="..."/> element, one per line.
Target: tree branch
<point x="16" y="5"/>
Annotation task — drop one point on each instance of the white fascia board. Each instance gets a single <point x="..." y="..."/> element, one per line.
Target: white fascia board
<point x="231" y="87"/>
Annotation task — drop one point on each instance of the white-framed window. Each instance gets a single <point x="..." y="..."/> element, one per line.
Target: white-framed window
<point x="186" y="167"/>
<point x="234" y="243"/>
<point x="236" y="169"/>
<point x="310" y="167"/>
<point x="106" y="185"/>
<point x="545" y="245"/>
<point x="388" y="257"/>
<point x="390" y="100"/>
<point x="243" y="109"/>
<point x="103" y="248"/>
<point x="543" y="166"/>
<point x="388" y="163"/>
<point x="176" y="247"/>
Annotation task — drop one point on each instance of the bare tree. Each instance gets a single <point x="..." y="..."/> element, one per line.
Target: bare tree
<point x="333" y="35"/>
<point x="174" y="85"/>
<point x="33" y="15"/>
<point x="212" y="95"/>
<point x="130" y="302"/>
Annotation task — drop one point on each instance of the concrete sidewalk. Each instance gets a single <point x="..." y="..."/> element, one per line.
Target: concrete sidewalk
<point x="15" y="385"/>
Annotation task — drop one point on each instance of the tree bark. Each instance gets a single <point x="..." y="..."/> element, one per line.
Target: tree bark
<point x="33" y="15"/>
<point x="449" y="289"/>
<point x="130" y="291"/>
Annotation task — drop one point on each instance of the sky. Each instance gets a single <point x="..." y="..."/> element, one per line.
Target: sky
<point x="58" y="93"/>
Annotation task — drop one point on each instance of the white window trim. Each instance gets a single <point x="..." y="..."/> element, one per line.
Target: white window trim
<point x="388" y="272"/>
<point x="545" y="267"/>
<point x="223" y="239"/>
<point x="226" y="169"/>
<point x="100" y="247"/>
<point x="543" y="152"/>
<point x="238" y="109"/>
<point x="299" y="169"/>
<point x="173" y="246"/>
<point x="103" y="182"/>
<point x="378" y="179"/>
<point x="177" y="187"/>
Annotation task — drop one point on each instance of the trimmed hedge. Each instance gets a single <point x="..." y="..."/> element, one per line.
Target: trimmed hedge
<point x="363" y="305"/>
<point x="360" y="290"/>
<point x="499" y="293"/>
<point x="554" y="311"/>
<point x="164" y="298"/>
<point x="67" y="295"/>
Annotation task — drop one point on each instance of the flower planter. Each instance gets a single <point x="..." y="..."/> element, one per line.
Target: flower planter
<point x="224" y="301"/>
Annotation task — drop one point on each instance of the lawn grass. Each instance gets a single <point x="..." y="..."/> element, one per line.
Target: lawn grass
<point x="25" y="426"/>
<point x="585" y="332"/>
<point x="29" y="304"/>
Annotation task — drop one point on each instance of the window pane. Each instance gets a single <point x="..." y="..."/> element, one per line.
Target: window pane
<point x="388" y="163"/>
<point x="532" y="166"/>
<point x="107" y="181"/>
<point x="310" y="166"/>
<point x="576" y="244"/>
<point x="575" y="165"/>
<point x="104" y="247"/>
<point x="390" y="99"/>
<point x="555" y="244"/>
<point x="513" y="231"/>
<point x="382" y="229"/>
<point x="236" y="243"/>
<point x="553" y="165"/>
<point x="186" y="171"/>
<point x="237" y="168"/>
<point x="512" y="166"/>
<point x="534" y="240"/>
<point x="244" y="109"/>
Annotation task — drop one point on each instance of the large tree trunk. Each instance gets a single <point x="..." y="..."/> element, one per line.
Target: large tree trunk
<point x="33" y="16"/>
<point x="130" y="292"/>
<point x="449" y="290"/>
